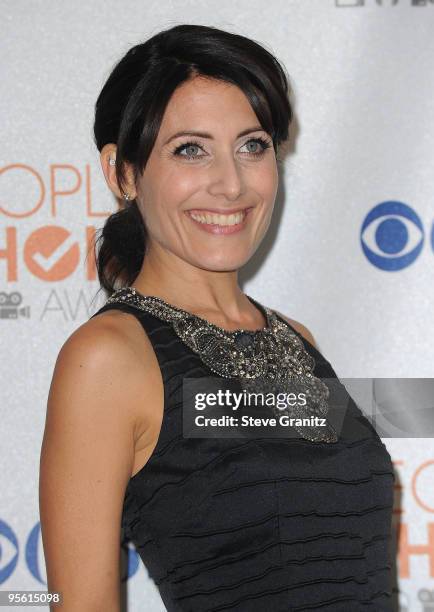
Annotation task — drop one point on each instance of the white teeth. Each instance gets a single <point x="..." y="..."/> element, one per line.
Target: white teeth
<point x="216" y="219"/>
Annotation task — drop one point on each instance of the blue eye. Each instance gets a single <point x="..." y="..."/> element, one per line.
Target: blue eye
<point x="178" y="151"/>
<point x="265" y="144"/>
<point x="187" y="145"/>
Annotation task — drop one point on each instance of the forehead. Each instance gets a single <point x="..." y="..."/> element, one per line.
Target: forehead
<point x="204" y="102"/>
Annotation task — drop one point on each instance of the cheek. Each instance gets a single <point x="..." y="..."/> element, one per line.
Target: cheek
<point x="179" y="185"/>
<point x="166" y="192"/>
<point x="266" y="181"/>
<point x="176" y="187"/>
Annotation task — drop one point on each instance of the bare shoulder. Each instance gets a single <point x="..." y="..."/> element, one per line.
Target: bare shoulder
<point x="112" y="337"/>
<point x="111" y="354"/>
<point x="112" y="327"/>
<point x="302" y="329"/>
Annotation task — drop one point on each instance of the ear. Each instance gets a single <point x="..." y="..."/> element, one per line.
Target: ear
<point x="108" y="152"/>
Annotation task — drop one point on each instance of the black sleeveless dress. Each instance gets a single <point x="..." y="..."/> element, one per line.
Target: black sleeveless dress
<point x="257" y="524"/>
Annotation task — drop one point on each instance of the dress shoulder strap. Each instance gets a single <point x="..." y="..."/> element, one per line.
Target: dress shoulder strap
<point x="174" y="356"/>
<point x="323" y="368"/>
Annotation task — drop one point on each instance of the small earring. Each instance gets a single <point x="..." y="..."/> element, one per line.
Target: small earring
<point x="112" y="161"/>
<point x="126" y="196"/>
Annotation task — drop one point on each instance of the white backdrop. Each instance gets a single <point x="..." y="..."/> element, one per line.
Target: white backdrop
<point x="361" y="73"/>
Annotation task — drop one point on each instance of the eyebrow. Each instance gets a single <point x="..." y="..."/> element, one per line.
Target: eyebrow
<point x="210" y="136"/>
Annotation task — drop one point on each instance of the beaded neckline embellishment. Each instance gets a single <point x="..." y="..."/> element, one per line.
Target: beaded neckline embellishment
<point x="273" y="357"/>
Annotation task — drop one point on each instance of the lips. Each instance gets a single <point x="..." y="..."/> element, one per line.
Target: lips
<point x="222" y="211"/>
<point x="218" y="219"/>
<point x="217" y="223"/>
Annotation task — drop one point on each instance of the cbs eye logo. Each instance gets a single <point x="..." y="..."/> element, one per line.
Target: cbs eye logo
<point x="392" y="236"/>
<point x="33" y="555"/>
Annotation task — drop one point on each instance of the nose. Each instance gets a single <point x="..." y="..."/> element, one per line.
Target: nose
<point x="226" y="178"/>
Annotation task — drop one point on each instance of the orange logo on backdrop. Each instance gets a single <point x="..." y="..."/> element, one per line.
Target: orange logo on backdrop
<point x="51" y="252"/>
<point x="406" y="549"/>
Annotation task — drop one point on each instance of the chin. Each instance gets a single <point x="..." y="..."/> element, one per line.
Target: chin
<point x="220" y="263"/>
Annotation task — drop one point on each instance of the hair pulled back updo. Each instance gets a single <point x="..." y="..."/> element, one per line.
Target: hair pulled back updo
<point x="131" y="105"/>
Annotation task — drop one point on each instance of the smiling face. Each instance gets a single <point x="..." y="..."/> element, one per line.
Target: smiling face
<point x="228" y="165"/>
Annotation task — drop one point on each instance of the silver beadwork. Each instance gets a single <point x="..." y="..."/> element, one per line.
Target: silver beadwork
<point x="272" y="357"/>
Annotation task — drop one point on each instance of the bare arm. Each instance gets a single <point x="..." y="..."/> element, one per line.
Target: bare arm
<point x="86" y="461"/>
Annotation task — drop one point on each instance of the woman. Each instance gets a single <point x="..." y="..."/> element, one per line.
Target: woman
<point x="188" y="126"/>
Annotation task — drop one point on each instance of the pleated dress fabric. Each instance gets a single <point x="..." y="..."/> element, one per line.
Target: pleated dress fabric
<point x="249" y="525"/>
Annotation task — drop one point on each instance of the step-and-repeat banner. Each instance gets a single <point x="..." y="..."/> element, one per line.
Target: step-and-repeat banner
<point x="350" y="251"/>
